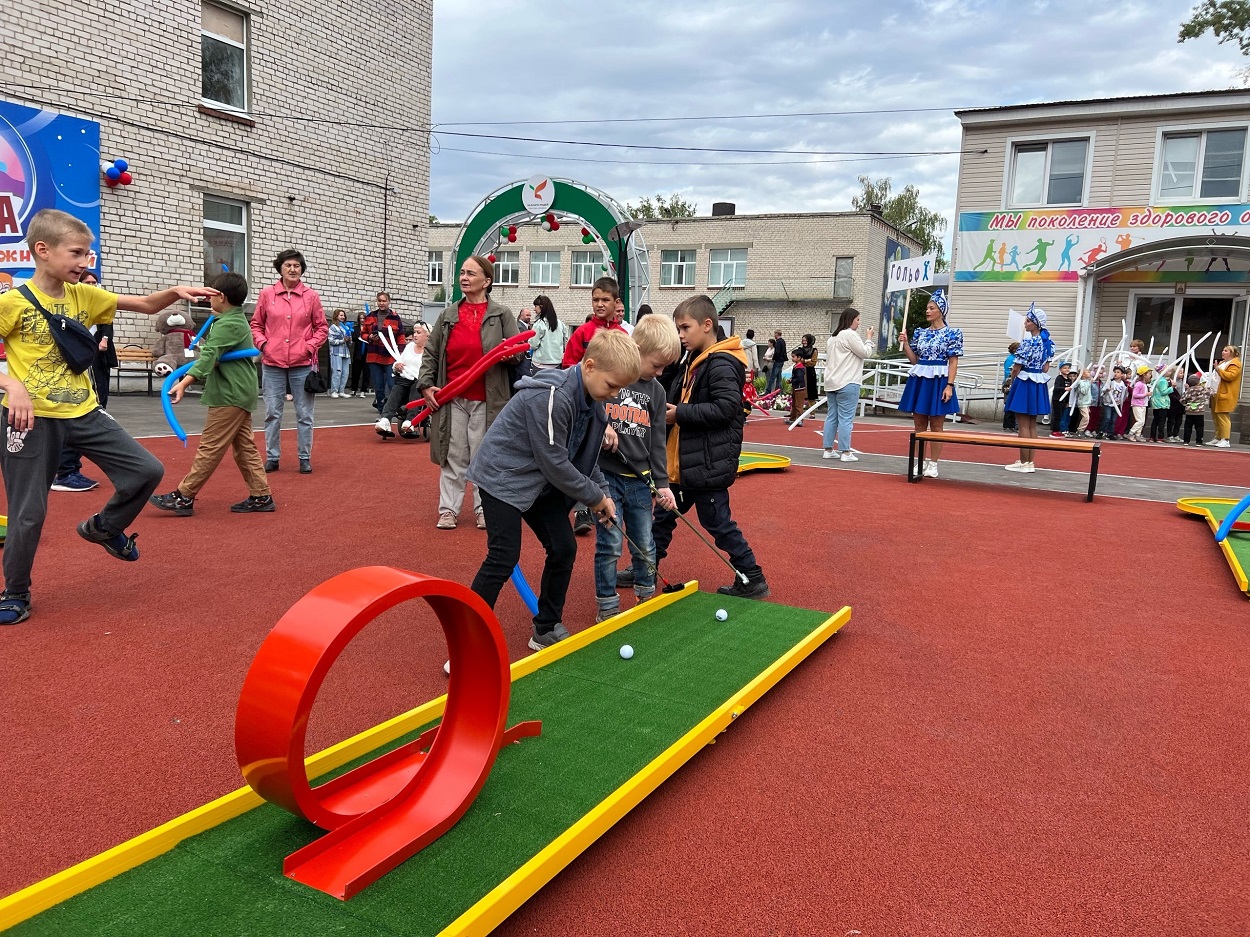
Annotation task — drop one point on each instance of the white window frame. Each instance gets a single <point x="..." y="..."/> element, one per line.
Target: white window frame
<point x="1163" y="132"/>
<point x="1009" y="167"/>
<point x="713" y="264"/>
<point x="548" y="270"/>
<point x="247" y="65"/>
<point x="687" y="268"/>
<point x="1230" y="292"/>
<point x="579" y="277"/>
<point x="434" y="268"/>
<point x="507" y="268"/>
<point x="850" y="293"/>
<point x="214" y="225"/>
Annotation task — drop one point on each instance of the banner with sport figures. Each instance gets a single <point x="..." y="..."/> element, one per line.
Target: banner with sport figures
<point x="47" y="160"/>
<point x="1056" y="244"/>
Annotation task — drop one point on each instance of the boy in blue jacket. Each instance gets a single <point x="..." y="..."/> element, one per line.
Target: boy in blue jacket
<point x="539" y="458"/>
<point x="705" y="420"/>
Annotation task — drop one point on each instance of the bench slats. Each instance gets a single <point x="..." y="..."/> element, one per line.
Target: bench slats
<point x="1014" y="442"/>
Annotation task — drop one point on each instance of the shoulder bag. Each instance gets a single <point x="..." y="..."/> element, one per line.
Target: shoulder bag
<point x="75" y="341"/>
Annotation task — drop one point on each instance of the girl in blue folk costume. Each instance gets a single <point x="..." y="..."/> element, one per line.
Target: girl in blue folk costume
<point x="1029" y="397"/>
<point x="930" y="392"/>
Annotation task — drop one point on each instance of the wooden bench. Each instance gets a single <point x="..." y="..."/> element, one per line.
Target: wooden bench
<point x="135" y="360"/>
<point x="915" y="450"/>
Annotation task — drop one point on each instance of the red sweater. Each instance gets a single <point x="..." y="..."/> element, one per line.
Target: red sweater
<point x="575" y="350"/>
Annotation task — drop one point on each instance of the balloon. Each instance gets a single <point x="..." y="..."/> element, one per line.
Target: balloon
<point x="587" y="239"/>
<point x="511" y="238"/>
<point x="512" y="229"/>
<point x="550" y="216"/>
<point x="121" y="165"/>
<point x="112" y="183"/>
<point x="546" y="225"/>
<point x="168" y="385"/>
<point x="585" y="232"/>
<point x="126" y="178"/>
<point x="555" y="226"/>
<point x="503" y="231"/>
<point x="113" y="173"/>
<point x="490" y="257"/>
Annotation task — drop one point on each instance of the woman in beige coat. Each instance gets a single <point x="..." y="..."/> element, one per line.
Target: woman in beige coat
<point x="1225" y="400"/>
<point x="461" y="335"/>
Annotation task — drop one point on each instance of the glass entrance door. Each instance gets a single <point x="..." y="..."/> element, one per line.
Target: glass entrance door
<point x="1200" y="315"/>
<point x="1153" y="321"/>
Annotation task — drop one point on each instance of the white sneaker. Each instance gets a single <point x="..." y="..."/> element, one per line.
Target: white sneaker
<point x="848" y="456"/>
<point x="406" y="426"/>
<point x="930" y="469"/>
<point x="1223" y="443"/>
<point x="1014" y="466"/>
<point x="383" y="426"/>
<point x="1023" y="467"/>
<point x="829" y="454"/>
<point x="333" y="394"/>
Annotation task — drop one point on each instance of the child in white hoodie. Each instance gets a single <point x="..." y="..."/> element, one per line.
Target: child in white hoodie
<point x="407" y="369"/>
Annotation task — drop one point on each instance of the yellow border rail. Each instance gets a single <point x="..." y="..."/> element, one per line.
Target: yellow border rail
<point x="1195" y="506"/>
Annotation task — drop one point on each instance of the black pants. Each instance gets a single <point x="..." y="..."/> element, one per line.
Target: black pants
<point x="360" y="380"/>
<point x="1174" y="423"/>
<point x="1194" y="423"/>
<point x="403" y="392"/>
<point x="712" y="506"/>
<point x="548" y="517"/>
<point x="1158" y="423"/>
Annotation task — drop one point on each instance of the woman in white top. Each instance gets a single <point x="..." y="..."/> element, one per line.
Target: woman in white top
<point x="550" y="336"/>
<point x="407" y="369"/>
<point x="844" y="372"/>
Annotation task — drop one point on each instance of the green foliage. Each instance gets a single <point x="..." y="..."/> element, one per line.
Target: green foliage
<point x="433" y="219"/>
<point x="649" y="209"/>
<point x="440" y="295"/>
<point x="905" y="212"/>
<point x="1229" y="20"/>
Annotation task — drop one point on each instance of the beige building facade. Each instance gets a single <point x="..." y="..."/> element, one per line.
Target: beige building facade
<point x="1125" y="216"/>
<point x="248" y="127"/>
<point x="793" y="272"/>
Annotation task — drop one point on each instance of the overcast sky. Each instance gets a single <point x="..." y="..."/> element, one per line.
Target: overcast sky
<point x="583" y="61"/>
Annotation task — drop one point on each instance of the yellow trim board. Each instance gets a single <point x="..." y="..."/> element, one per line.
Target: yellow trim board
<point x="1195" y="506"/>
<point x="67" y="883"/>
<point x="515" y="890"/>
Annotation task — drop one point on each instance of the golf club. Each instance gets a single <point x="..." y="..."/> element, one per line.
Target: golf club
<point x="655" y="569"/>
<point x="646" y="477"/>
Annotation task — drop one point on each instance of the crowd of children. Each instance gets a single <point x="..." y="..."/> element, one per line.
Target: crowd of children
<point x="1116" y="406"/>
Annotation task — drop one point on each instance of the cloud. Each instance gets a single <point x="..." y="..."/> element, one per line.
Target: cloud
<point x="567" y="60"/>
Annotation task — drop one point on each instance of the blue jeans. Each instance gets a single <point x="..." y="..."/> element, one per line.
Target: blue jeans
<point x="339" y="370"/>
<point x="275" y="384"/>
<point x="1065" y="416"/>
<point x="383" y="377"/>
<point x="840" y="415"/>
<point x="774" y="377"/>
<point x="632" y="498"/>
<point x="1109" y="416"/>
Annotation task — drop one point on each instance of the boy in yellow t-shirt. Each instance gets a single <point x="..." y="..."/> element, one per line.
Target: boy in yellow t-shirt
<point x="48" y="406"/>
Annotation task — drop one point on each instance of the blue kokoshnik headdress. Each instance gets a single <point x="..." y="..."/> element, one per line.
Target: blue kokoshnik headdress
<point x="939" y="299"/>
<point x="1038" y="316"/>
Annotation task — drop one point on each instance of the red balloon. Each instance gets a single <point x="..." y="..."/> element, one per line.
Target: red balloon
<point x="555" y="226"/>
<point x="551" y="217"/>
<point x="112" y="183"/>
<point x="490" y="257"/>
<point x="511" y="238"/>
<point x="125" y="178"/>
<point x="512" y="229"/>
<point x="585" y="232"/>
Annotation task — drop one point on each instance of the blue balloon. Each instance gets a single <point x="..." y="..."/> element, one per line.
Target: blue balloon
<point x="166" y="387"/>
<point x="523" y="589"/>
<point x="121" y="165"/>
<point x="113" y="173"/>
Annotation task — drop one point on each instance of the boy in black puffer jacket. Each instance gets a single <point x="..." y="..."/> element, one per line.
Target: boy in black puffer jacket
<point x="705" y="420"/>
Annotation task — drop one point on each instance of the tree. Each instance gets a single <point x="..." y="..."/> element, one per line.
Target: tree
<point x="1229" y="20"/>
<point x="433" y="219"/>
<point x="653" y="210"/>
<point x="905" y="212"/>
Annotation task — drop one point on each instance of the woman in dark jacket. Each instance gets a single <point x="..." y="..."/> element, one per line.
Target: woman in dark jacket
<point x="461" y="335"/>
<point x="811" y="357"/>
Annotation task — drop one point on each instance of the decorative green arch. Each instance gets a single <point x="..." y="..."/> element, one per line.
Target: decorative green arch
<point x="598" y="215"/>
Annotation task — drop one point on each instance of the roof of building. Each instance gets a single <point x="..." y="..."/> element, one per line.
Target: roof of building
<point x="1238" y="98"/>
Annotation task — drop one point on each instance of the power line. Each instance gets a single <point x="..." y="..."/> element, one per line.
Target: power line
<point x="642" y="120"/>
<point x="647" y="162"/>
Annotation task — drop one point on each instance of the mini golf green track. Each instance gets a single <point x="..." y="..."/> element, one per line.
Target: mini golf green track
<point x="604" y="720"/>
<point x="1237" y="542"/>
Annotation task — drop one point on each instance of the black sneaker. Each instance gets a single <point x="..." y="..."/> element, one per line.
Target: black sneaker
<point x="625" y="577"/>
<point x="119" y="545"/>
<point x="255" y="504"/>
<point x="271" y="465"/>
<point x="582" y="522"/>
<point x="305" y="466"/>
<point x="752" y="589"/>
<point x="175" y="501"/>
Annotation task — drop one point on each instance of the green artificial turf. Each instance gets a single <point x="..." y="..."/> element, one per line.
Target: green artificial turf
<point x="604" y="719"/>
<point x="1238" y="540"/>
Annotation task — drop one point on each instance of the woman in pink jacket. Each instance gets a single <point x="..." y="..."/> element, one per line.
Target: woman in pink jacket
<point x="288" y="327"/>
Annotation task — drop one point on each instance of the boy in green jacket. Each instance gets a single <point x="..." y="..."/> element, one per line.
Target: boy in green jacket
<point x="230" y="395"/>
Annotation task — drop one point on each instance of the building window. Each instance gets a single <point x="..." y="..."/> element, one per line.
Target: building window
<point x="544" y="268"/>
<point x="225" y="236"/>
<point x="728" y="267"/>
<point x="677" y="268"/>
<point x="1048" y="173"/>
<point x="508" y="268"/>
<point x="587" y="267"/>
<point x="223" y="57"/>
<point x="434" y="267"/>
<point x="843" y="279"/>
<point x="1204" y="164"/>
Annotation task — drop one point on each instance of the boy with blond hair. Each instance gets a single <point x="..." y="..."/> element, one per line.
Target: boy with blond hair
<point x="633" y="459"/>
<point x="539" y="456"/>
<point x="47" y="405"/>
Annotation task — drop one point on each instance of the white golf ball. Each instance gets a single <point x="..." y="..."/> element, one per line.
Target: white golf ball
<point x="721" y="614"/>
<point x="627" y="651"/>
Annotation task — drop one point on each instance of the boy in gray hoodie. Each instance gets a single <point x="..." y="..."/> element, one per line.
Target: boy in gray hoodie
<point x="540" y="457"/>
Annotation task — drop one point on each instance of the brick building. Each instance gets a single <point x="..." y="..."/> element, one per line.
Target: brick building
<point x="794" y="272"/>
<point x="248" y="129"/>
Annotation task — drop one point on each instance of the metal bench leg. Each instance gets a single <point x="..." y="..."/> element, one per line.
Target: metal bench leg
<point x="911" y="458"/>
<point x="1093" y="475"/>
